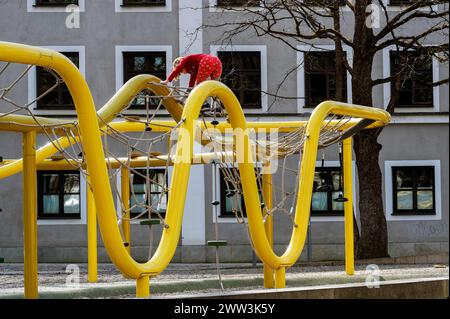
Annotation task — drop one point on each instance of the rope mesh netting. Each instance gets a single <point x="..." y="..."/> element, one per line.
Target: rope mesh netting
<point x="148" y="190"/>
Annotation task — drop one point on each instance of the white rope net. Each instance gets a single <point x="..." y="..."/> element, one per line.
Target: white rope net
<point x="149" y="185"/>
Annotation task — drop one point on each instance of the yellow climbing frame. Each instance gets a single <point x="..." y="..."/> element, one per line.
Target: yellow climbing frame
<point x="89" y="124"/>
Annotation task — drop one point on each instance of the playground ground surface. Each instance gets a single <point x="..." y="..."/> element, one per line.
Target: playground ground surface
<point x="191" y="280"/>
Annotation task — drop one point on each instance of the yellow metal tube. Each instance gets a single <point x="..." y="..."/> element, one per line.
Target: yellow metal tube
<point x="280" y="277"/>
<point x="92" y="237"/>
<point x="97" y="169"/>
<point x="30" y="216"/>
<point x="348" y="206"/>
<point x="125" y="194"/>
<point x="269" y="281"/>
<point x="143" y="287"/>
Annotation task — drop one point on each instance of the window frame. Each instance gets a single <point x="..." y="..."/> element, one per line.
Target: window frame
<point x="301" y="73"/>
<point x="40" y="197"/>
<point x="39" y="3"/>
<point x="214" y="49"/>
<point x="400" y="7"/>
<point x="137" y="4"/>
<point x="326" y="73"/>
<point x="126" y="72"/>
<point x="32" y="7"/>
<point x="415" y="210"/>
<point x="145" y="216"/>
<point x="389" y="190"/>
<point x="119" y="61"/>
<point x="230" y="219"/>
<point x="60" y="89"/>
<point x="329" y="212"/>
<point x="119" y="7"/>
<point x="413" y="105"/>
<point x="32" y="79"/>
<point x="387" y="90"/>
<point x="213" y="6"/>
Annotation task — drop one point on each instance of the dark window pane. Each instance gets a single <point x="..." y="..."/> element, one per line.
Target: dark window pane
<point x="140" y="201"/>
<point x="136" y="63"/>
<point x="59" y="97"/>
<point x="55" y="2"/>
<point x="237" y="3"/>
<point x="71" y="183"/>
<point x="144" y="2"/>
<point x="320" y="77"/>
<point x="242" y="73"/>
<point x="50" y="183"/>
<point x="416" y="75"/>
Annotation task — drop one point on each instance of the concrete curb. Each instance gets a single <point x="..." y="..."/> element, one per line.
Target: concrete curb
<point x="109" y="290"/>
<point x="425" y="288"/>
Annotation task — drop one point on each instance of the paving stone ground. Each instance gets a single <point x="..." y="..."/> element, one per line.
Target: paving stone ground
<point x="204" y="277"/>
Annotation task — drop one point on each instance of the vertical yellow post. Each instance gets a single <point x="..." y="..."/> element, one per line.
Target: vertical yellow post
<point x="92" y="236"/>
<point x="143" y="287"/>
<point x="125" y="193"/>
<point x="280" y="277"/>
<point x="348" y="206"/>
<point x="30" y="216"/>
<point x="269" y="281"/>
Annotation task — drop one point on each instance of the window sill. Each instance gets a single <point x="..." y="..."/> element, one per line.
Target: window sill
<point x="50" y="222"/>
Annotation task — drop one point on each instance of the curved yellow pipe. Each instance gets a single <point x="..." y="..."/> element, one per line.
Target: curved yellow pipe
<point x="90" y="135"/>
<point x="246" y="166"/>
<point x="106" y="114"/>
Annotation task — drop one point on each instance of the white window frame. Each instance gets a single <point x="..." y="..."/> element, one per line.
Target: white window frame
<point x="118" y="183"/>
<point x="118" y="7"/>
<point x="120" y="49"/>
<point x="32" y="77"/>
<point x="389" y="189"/>
<point x="301" y="85"/>
<point x="83" y="207"/>
<point x="214" y="49"/>
<point x="401" y="8"/>
<point x="387" y="86"/>
<point x="315" y="219"/>
<point x="212" y="6"/>
<point x="32" y="8"/>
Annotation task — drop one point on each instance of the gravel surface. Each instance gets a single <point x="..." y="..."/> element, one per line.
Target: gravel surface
<point x="235" y="276"/>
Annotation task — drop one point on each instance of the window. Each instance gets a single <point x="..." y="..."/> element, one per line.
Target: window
<point x="135" y="63"/>
<point x="326" y="189"/>
<point x="416" y="90"/>
<point x="237" y="3"/>
<point x="144" y="3"/>
<point x="242" y="73"/>
<point x="60" y="97"/>
<point x="323" y="2"/>
<point x="230" y="200"/>
<point x="401" y="2"/>
<point x="413" y="190"/>
<point x="320" y="77"/>
<point x="154" y="200"/>
<point x="59" y="195"/>
<point x="55" y="3"/>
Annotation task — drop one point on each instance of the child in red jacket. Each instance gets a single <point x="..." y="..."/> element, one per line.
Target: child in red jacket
<point x="199" y="66"/>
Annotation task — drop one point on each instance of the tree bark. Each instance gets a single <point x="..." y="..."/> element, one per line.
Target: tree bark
<point x="373" y="241"/>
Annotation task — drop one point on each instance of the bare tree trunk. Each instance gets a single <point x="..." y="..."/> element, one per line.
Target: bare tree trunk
<point x="374" y="237"/>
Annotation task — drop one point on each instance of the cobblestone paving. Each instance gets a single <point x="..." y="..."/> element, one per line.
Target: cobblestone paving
<point x="54" y="275"/>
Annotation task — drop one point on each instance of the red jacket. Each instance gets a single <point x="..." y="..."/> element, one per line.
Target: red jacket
<point x="190" y="63"/>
